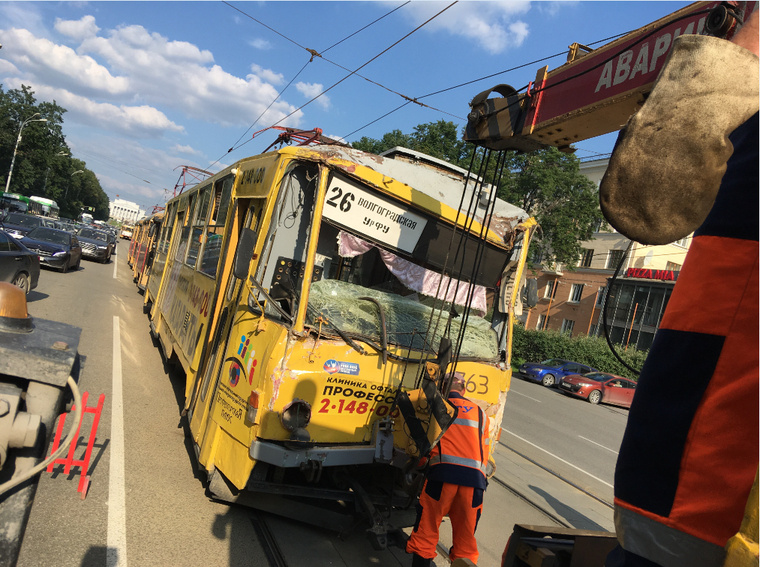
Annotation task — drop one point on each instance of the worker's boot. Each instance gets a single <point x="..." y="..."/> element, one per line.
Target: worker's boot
<point x="668" y="162"/>
<point x="418" y="561"/>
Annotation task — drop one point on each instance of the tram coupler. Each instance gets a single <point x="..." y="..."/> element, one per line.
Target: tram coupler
<point x="312" y="471"/>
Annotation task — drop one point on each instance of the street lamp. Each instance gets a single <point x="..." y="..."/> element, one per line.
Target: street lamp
<point x="18" y="141"/>
<point x="69" y="182"/>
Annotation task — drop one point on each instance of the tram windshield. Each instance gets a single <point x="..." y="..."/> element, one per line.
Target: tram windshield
<point x="358" y="279"/>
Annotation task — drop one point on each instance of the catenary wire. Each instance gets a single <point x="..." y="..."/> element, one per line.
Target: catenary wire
<point x="279" y="94"/>
<point x="639" y="40"/>
<point x="355" y="71"/>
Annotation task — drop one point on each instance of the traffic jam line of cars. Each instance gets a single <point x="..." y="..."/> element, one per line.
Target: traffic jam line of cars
<point x="580" y="381"/>
<point x="28" y="242"/>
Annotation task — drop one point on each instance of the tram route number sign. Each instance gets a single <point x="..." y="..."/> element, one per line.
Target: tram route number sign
<point x="368" y="214"/>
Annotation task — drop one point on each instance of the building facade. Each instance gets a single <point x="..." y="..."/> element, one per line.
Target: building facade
<point x="572" y="301"/>
<point x="125" y="211"/>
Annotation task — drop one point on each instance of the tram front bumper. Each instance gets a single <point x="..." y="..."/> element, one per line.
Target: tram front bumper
<point x="380" y="450"/>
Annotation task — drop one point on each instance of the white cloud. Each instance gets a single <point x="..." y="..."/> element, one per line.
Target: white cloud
<point x="77" y="29"/>
<point x="47" y="62"/>
<point x="310" y="90"/>
<point x="495" y="26"/>
<point x="8" y="68"/>
<point x="181" y="76"/>
<point x="261" y="44"/>
<point x="267" y="74"/>
<point x="186" y="150"/>
<point x="138" y="121"/>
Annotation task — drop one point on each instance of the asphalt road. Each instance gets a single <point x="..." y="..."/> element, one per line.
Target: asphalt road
<point x="577" y="439"/>
<point x="146" y="506"/>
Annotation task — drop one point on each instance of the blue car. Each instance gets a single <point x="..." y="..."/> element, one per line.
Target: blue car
<point x="550" y="372"/>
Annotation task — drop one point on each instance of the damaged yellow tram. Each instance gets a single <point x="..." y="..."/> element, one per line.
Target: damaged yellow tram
<point x="312" y="296"/>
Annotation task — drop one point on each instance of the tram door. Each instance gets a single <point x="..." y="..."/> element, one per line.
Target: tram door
<point x="246" y="214"/>
<point x="253" y="325"/>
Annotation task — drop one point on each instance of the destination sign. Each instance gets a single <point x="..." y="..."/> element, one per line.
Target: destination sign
<point x="370" y="215"/>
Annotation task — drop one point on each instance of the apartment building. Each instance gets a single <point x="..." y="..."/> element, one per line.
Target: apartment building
<point x="571" y="301"/>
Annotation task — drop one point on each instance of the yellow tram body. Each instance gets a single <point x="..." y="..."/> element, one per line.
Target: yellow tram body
<point x="298" y="288"/>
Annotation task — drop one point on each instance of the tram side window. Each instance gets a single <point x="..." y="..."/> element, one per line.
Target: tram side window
<point x="187" y="227"/>
<point x="166" y="234"/>
<point x="198" y="224"/>
<point x="215" y="230"/>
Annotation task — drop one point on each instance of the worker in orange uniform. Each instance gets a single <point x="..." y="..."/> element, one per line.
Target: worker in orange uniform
<point x="688" y="162"/>
<point x="455" y="484"/>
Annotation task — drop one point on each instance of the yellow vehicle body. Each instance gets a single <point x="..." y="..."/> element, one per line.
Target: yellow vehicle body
<point x="296" y="347"/>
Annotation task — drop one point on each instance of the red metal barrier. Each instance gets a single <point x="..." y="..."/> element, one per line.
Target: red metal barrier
<point x="69" y="461"/>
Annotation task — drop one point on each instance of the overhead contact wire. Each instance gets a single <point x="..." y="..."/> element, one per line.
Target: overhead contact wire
<point x="312" y="54"/>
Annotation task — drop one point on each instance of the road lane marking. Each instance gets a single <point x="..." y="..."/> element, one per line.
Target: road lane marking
<point x="524" y="395"/>
<point x="599" y="444"/>
<point x="115" y="265"/>
<point x="116" y="543"/>
<point x="559" y="458"/>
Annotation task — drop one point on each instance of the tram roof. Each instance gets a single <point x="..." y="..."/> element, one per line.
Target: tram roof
<point x="436" y="178"/>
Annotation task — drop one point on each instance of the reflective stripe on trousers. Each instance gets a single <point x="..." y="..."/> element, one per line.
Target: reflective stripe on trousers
<point x="662" y="544"/>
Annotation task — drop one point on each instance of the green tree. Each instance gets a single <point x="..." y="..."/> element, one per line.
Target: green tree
<point x="389" y="140"/>
<point x="44" y="166"/>
<point x="437" y="139"/>
<point x="548" y="184"/>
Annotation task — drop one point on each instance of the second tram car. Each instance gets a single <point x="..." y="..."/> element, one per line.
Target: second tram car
<point x="309" y="293"/>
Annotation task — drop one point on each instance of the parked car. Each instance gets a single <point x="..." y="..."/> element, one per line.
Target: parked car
<point x="550" y="371"/>
<point x="599" y="387"/>
<point x="56" y="248"/>
<point x="19" y="224"/>
<point x="18" y="265"/>
<point x="96" y="244"/>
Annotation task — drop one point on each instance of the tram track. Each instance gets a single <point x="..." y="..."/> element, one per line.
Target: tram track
<point x="556" y="475"/>
<point x="267" y="539"/>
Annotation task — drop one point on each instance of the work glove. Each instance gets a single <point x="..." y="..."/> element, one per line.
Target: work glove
<point x="669" y="159"/>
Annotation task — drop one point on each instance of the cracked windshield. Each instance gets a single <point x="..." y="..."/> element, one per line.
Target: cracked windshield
<point x="362" y="283"/>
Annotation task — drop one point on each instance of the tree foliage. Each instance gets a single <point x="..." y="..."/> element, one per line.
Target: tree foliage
<point x="546" y="183"/>
<point x="44" y="166"/>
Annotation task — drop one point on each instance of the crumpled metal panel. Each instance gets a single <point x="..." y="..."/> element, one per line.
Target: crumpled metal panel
<point x="443" y="183"/>
<point x="46" y="354"/>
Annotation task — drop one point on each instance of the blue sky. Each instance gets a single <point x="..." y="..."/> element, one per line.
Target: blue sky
<point x="152" y="86"/>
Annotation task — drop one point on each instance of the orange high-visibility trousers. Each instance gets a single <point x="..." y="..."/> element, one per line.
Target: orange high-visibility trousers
<point x="462" y="504"/>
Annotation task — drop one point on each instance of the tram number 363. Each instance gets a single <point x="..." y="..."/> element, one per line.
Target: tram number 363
<point x="477" y="384"/>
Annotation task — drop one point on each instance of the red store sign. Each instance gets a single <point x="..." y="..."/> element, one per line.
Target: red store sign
<point x="649" y="274"/>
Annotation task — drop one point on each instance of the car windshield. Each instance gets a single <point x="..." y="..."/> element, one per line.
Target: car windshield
<point x="93" y="234"/>
<point x="597" y="376"/>
<point x="554" y="362"/>
<point x="22" y="220"/>
<point x="49" y="235"/>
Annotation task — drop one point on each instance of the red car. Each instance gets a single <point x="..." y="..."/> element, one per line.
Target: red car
<point x="600" y="387"/>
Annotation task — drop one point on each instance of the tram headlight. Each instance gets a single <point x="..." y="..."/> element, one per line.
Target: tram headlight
<point x="296" y="415"/>
<point x="252" y="408"/>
